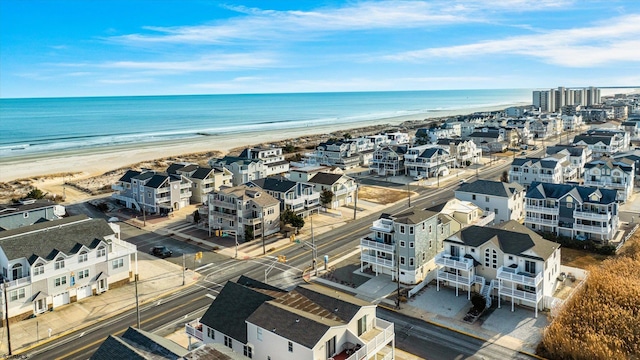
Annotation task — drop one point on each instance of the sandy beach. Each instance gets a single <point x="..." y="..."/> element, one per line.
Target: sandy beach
<point x="45" y="171"/>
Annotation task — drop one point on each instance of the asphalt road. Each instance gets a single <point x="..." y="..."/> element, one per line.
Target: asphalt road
<point x="169" y="314"/>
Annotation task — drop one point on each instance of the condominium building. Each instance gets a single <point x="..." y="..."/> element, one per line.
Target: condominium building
<point x="153" y="192"/>
<point x="528" y="170"/>
<point x="53" y="263"/>
<point x="574" y="211"/>
<point x="603" y="142"/>
<point x="619" y="175"/>
<point x="203" y="179"/>
<point x="252" y="164"/>
<point x="578" y="155"/>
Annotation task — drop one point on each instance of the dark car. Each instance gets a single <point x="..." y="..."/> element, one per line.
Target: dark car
<point x="161" y="252"/>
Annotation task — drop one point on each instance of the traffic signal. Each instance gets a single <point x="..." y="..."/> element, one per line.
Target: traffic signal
<point x="198" y="255"/>
<point x="282" y="258"/>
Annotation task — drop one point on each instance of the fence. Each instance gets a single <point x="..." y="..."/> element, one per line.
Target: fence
<point x="627" y="237"/>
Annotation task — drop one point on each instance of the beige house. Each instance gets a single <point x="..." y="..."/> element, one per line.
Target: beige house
<point x="342" y="186"/>
<point x="465" y="212"/>
<point x="203" y="179"/>
<point x="249" y="211"/>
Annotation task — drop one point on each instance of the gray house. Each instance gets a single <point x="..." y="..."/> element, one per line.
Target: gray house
<point x="28" y="212"/>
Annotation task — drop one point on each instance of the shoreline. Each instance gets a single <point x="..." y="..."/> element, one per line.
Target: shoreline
<point x="97" y="161"/>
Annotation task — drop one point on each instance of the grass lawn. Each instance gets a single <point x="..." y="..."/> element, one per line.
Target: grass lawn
<point x="580" y="258"/>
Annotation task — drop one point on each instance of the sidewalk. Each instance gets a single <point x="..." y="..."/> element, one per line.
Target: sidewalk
<point x="157" y="278"/>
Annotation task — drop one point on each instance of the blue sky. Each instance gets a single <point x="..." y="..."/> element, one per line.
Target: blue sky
<point x="97" y="48"/>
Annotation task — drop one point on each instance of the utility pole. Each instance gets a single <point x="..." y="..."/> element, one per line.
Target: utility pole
<point x="144" y="217"/>
<point x="398" y="275"/>
<point x="6" y="314"/>
<point x="355" y="206"/>
<point x="264" y="248"/>
<point x="313" y="249"/>
<point x="409" y="193"/>
<point x="183" y="268"/>
<point x="137" y="301"/>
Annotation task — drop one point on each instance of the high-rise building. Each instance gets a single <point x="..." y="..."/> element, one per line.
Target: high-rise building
<point x="593" y="95"/>
<point x="553" y="100"/>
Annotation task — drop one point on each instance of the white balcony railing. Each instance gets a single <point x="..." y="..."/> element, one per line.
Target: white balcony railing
<point x="542" y="209"/>
<point x="378" y="225"/>
<point x="18" y="282"/>
<point x="531" y="219"/>
<point x="194" y="329"/>
<point x="592" y="229"/>
<point x="460" y="279"/>
<point x="455" y="262"/>
<point x="374" y="260"/>
<point x="512" y="275"/>
<point x="592" y="215"/>
<point x="345" y="190"/>
<point x="380" y="246"/>
<point x="371" y="348"/>
<point x="520" y="294"/>
<point x="117" y="187"/>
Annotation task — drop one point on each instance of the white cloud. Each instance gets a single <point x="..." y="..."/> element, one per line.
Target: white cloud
<point x="257" y="24"/>
<point x="124" y="81"/>
<point x="613" y="40"/>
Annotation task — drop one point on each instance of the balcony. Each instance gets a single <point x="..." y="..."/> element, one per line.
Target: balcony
<point x="185" y="185"/>
<point x="345" y="190"/>
<point x="117" y="187"/>
<point x="252" y="221"/>
<point x="374" y="260"/>
<point x="597" y="229"/>
<point x="194" y="329"/>
<point x="521" y="294"/>
<point x="455" y="262"/>
<point x="531" y="219"/>
<point x="602" y="216"/>
<point x="162" y="190"/>
<point x="369" y="243"/>
<point x="542" y="209"/>
<point x="380" y="336"/>
<point x="163" y="199"/>
<point x="379" y="225"/>
<point x="185" y="194"/>
<point x="452" y="277"/>
<point x="523" y="278"/>
<point x="26" y="280"/>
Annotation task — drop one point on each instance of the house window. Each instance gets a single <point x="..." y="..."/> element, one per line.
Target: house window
<point x="290" y="346"/>
<point x="101" y="252"/>
<point x="59" y="264"/>
<point x="473" y="197"/>
<point x="60" y="281"/>
<point x="424" y="256"/>
<point x="401" y="229"/>
<point x="211" y="334"/>
<point x="495" y="211"/>
<point x="402" y="261"/>
<point x="362" y="325"/>
<point x="17" y="294"/>
<point x="411" y="244"/>
<point x="530" y="267"/>
<point x="117" y="263"/>
<point x="510" y="257"/>
<point x="259" y="333"/>
<point x="486" y="198"/>
<point x="38" y="269"/>
<point x="83" y="274"/>
<point x="429" y="244"/>
<point x="473" y="250"/>
<point x="82" y="257"/>
<point x="430" y="228"/>
<point x="411" y="261"/>
<point x="228" y="342"/>
<point x="402" y="243"/>
<point x="248" y="351"/>
<point x="410" y="230"/>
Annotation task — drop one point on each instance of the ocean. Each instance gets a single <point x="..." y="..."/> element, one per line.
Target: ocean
<point x="47" y="125"/>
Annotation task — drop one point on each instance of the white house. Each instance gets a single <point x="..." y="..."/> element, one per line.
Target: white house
<point x="203" y="179"/>
<point x="525" y="171"/>
<point x="508" y="261"/>
<point x="465" y="152"/>
<point x="307" y="323"/>
<point x="506" y="200"/>
<point x="428" y="161"/>
<point x="342" y="186"/>
<point x="611" y="174"/>
<point x="578" y="155"/>
<point x="299" y="197"/>
<point x="388" y="160"/>
<point x="53" y="263"/>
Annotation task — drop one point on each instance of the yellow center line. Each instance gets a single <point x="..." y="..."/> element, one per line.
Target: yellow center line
<point x="122" y="331"/>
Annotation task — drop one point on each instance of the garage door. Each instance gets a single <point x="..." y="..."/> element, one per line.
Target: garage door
<point x="84" y="292"/>
<point x="61" y="299"/>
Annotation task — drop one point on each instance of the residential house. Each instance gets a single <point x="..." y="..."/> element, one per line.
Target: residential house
<point x="464" y="152"/>
<point x="632" y="127"/>
<point x="489" y="142"/>
<point x="404" y="245"/>
<point x="398" y="138"/>
<point x="578" y="155"/>
<point x="305" y="173"/>
<point x="341" y="153"/>
<point x="152" y="191"/>
<point x="571" y="122"/>
<point x="142" y="345"/>
<point x="28" y="212"/>
<point x="428" y="161"/>
<point x="506" y="200"/>
<point x="343" y="187"/>
<point x="250" y="212"/>
<point x="299" y="197"/>
<point x="611" y="174"/>
<point x="465" y="213"/>
<point x="508" y="261"/>
<point x="527" y="170"/>
<point x="545" y="128"/>
<point x="593" y="115"/>
<point x="271" y="157"/>
<point x="388" y="160"/>
<point x="53" y="263"/>
<point x="203" y="179"/>
<point x="252" y="164"/>
<point x="632" y="155"/>
<point x="603" y="142"/>
<point x="309" y="322"/>
<point x="574" y="211"/>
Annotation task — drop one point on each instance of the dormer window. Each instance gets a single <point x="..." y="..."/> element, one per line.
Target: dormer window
<point x="82" y="257"/>
<point x="59" y="264"/>
<point x="101" y="252"/>
<point x="38" y="269"/>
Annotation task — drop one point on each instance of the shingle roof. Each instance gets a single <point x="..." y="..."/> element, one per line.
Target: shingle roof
<point x="157" y="180"/>
<point x="512" y="238"/>
<point x="173" y="168"/>
<point x="202" y="173"/>
<point x="144" y="175"/>
<point x="489" y="187"/>
<point x="573" y="150"/>
<point x="582" y="193"/>
<point x="450" y="141"/>
<point x="624" y="164"/>
<point x="325" y="178"/>
<point x="478" y="134"/>
<point x="128" y="175"/>
<point x="6" y="209"/>
<point x="138" y="344"/>
<point x="275" y="184"/>
<point x="413" y="216"/>
<point x="591" y="140"/>
<point x="246" y="192"/>
<point x="231" y="308"/>
<point x="47" y="239"/>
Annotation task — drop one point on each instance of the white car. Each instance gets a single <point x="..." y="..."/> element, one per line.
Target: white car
<point x="418" y="177"/>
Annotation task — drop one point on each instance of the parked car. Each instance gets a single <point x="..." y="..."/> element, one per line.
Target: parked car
<point x="418" y="177"/>
<point x="161" y="252"/>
